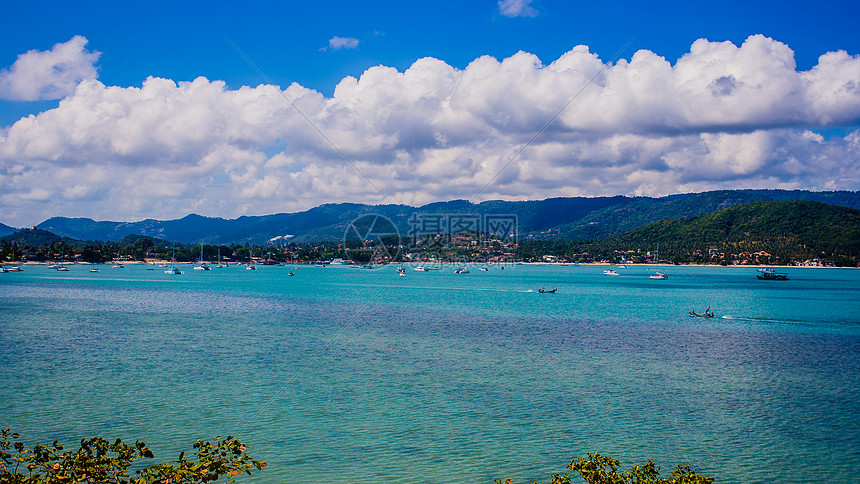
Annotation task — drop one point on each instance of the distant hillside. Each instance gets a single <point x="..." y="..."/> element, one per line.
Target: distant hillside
<point x="633" y="213"/>
<point x="576" y="218"/>
<point x="37" y="237"/>
<point x="786" y="230"/>
<point x="6" y="230"/>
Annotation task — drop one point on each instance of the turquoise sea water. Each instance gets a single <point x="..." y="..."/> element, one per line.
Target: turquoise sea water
<point x="349" y="375"/>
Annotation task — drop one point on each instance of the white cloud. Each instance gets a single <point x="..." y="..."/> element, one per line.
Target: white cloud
<point x="337" y="43"/>
<point x="516" y="8"/>
<point x="723" y="116"/>
<point x="52" y="74"/>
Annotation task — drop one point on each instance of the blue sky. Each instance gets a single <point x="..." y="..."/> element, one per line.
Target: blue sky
<point x="292" y="43"/>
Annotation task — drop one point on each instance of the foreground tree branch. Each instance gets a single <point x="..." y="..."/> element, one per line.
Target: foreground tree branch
<point x="100" y="461"/>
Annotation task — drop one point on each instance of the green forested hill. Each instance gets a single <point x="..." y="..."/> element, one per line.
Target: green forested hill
<point x="773" y="232"/>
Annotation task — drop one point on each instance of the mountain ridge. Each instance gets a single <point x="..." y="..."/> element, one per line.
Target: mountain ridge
<point x="559" y="218"/>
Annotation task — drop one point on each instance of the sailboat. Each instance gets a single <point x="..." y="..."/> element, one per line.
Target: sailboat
<point x="658" y="275"/>
<point x="203" y="266"/>
<point x="220" y="265"/>
<point x="251" y="266"/>
<point x="463" y="269"/>
<point x="61" y="267"/>
<point x="14" y="268"/>
<point x="173" y="270"/>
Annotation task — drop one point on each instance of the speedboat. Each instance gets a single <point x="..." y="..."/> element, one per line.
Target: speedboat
<point x="173" y="271"/>
<point x="547" y="291"/>
<point x="610" y="272"/>
<point x="658" y="276"/>
<point x="62" y="268"/>
<point x="420" y="268"/>
<point x="767" y="274"/>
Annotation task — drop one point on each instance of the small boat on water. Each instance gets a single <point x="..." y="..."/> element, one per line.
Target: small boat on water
<point x="173" y="270"/>
<point x="484" y="269"/>
<point x="658" y="276"/>
<point x="203" y="266"/>
<point x="768" y="274"/>
<point x="610" y="272"/>
<point x="62" y="268"/>
<point x="548" y="291"/>
<point x="96" y="270"/>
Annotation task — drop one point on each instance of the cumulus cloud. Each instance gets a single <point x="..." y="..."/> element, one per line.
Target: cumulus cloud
<point x="337" y="43"/>
<point x="53" y="74"/>
<point x="722" y="116"/>
<point x="516" y="8"/>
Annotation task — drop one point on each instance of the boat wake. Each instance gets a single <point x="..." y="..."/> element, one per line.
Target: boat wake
<point x="756" y="320"/>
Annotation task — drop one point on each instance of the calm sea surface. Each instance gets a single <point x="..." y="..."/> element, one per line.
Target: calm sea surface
<point x="350" y="375"/>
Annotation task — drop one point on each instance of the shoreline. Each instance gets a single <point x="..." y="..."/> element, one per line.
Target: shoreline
<point x="548" y="264"/>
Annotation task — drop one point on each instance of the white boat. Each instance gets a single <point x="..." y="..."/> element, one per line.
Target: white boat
<point x="203" y="266"/>
<point x="250" y="267"/>
<point x="94" y="270"/>
<point x="118" y="266"/>
<point x="173" y="270"/>
<point x="622" y="266"/>
<point x="420" y="268"/>
<point x="610" y="272"/>
<point x="13" y="268"/>
<point x="658" y="276"/>
<point x="62" y="268"/>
